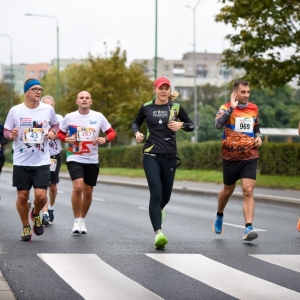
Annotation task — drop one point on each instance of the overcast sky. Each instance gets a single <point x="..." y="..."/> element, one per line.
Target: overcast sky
<point x="86" y="25"/>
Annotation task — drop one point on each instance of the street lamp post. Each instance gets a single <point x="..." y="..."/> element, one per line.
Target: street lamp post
<point x="155" y="55"/>
<point x="57" y="51"/>
<point x="195" y="74"/>
<point x="11" y="71"/>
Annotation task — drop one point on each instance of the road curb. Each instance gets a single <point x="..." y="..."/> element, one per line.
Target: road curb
<point x="185" y="189"/>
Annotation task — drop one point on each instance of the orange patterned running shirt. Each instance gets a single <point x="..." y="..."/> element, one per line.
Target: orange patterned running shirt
<point x="238" y="136"/>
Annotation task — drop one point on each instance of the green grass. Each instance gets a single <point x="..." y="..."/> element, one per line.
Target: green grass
<point x="268" y="181"/>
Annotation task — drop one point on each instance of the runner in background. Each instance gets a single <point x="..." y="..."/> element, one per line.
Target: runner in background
<point x="55" y="164"/>
<point x="3" y="141"/>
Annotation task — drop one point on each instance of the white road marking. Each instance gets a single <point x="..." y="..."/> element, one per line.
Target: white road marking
<point x="241" y="226"/>
<point x="226" y="279"/>
<point x="291" y="262"/>
<point x="98" y="199"/>
<point x="93" y="279"/>
<point x="144" y="208"/>
<point x="60" y="192"/>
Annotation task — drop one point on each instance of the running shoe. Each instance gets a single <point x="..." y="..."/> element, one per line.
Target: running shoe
<point x="83" y="229"/>
<point x="51" y="215"/>
<point x="76" y="228"/>
<point x="38" y="227"/>
<point x="160" y="241"/>
<point x="298" y="225"/>
<point x="46" y="220"/>
<point x="26" y="234"/>
<point x="218" y="224"/>
<point x="250" y="234"/>
<point x="163" y="215"/>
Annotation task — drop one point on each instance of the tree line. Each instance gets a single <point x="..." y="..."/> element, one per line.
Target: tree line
<point x="119" y="90"/>
<point x="266" y="44"/>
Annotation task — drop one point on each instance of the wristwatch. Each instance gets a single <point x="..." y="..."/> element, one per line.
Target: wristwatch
<point x="107" y="140"/>
<point x="259" y="134"/>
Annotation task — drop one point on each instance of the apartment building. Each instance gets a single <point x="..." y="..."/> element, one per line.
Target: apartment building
<point x="22" y="72"/>
<point x="181" y="72"/>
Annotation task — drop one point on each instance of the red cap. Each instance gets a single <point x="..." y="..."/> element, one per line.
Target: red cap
<point x="160" y="81"/>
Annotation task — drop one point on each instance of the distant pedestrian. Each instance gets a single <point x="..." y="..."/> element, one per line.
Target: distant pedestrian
<point x="163" y="118"/>
<point x="3" y="141"/>
<point x="55" y="164"/>
<point x="241" y="139"/>
<point x="81" y="129"/>
<point x="31" y="160"/>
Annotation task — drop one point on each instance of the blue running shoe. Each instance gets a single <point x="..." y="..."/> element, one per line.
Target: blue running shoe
<point x="250" y="234"/>
<point x="51" y="215"/>
<point x="218" y="225"/>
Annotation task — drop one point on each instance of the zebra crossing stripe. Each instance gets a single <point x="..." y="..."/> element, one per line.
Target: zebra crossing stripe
<point x="291" y="262"/>
<point x="94" y="279"/>
<point x="226" y="279"/>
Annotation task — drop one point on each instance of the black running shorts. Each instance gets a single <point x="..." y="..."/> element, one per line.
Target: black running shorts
<point x="89" y="172"/>
<point x="235" y="170"/>
<point x="24" y="177"/>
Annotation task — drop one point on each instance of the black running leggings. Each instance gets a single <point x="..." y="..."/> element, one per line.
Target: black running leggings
<point x="160" y="174"/>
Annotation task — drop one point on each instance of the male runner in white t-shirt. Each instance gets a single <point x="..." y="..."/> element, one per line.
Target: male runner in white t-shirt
<point x="83" y="127"/>
<point x="31" y="125"/>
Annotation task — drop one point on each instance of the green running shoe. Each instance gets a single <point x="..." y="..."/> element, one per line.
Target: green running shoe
<point x="160" y="241"/>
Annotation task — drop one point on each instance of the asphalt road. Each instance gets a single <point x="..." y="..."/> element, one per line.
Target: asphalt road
<point x="117" y="260"/>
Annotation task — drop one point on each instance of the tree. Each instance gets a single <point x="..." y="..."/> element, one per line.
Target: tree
<point x="5" y="100"/>
<point x="267" y="45"/>
<point x="117" y="90"/>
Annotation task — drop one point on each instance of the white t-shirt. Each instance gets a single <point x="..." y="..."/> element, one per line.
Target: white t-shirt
<point x="30" y="147"/>
<point x="55" y="145"/>
<point x="86" y="129"/>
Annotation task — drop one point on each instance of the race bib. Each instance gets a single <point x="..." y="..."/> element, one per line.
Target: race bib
<point x="85" y="134"/>
<point x="53" y="164"/>
<point x="34" y="135"/>
<point x="243" y="124"/>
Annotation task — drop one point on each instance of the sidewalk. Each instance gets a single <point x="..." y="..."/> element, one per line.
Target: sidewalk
<point x="201" y="188"/>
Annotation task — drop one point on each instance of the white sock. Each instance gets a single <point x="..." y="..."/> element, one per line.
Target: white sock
<point x="51" y="207"/>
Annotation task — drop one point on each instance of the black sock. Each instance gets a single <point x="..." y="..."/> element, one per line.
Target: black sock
<point x="219" y="214"/>
<point x="248" y="224"/>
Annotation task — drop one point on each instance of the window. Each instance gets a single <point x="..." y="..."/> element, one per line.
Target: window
<point x="190" y="67"/>
<point x="178" y="66"/>
<point x="42" y="73"/>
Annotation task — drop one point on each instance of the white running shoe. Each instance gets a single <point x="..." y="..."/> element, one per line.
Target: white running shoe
<point x="83" y="229"/>
<point x="76" y="228"/>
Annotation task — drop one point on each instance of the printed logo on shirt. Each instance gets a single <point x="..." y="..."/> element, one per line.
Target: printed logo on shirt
<point x="26" y="122"/>
<point x="93" y="122"/>
<point x="160" y="113"/>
